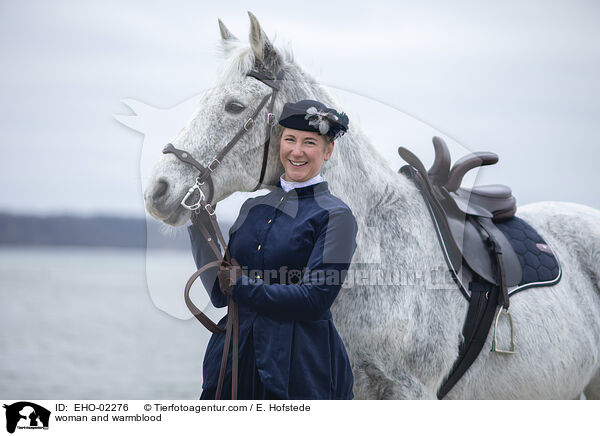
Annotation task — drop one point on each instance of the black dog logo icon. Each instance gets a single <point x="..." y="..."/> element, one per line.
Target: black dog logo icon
<point x="26" y="414"/>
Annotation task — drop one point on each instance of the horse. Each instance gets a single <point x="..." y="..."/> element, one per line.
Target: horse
<point x="402" y="338"/>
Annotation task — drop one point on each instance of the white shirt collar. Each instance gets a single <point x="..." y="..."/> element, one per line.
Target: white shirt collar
<point x="292" y="185"/>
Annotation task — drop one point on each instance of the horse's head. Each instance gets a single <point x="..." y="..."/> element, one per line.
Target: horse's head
<point x="223" y="111"/>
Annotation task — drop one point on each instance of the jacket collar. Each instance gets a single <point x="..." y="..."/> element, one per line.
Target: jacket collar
<point x="287" y="186"/>
<point x="306" y="191"/>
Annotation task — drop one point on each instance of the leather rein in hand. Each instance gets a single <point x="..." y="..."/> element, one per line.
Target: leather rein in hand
<point x="232" y="325"/>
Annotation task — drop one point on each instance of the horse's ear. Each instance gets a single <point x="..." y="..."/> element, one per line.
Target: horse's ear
<point x="264" y="51"/>
<point x="226" y="35"/>
<point x="227" y="38"/>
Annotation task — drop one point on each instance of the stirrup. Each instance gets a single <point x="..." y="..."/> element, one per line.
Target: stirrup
<point x="512" y="334"/>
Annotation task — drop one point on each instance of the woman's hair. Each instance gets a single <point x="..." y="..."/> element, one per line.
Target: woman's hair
<point x="277" y="130"/>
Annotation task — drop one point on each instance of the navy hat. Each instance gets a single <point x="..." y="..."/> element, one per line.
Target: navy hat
<point x="314" y="116"/>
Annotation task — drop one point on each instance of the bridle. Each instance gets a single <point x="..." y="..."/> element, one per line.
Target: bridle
<point x="232" y="326"/>
<point x="205" y="172"/>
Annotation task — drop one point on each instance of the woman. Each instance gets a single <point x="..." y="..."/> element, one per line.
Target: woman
<point x="294" y="246"/>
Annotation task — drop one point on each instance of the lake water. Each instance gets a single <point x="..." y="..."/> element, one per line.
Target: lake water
<point x="80" y="323"/>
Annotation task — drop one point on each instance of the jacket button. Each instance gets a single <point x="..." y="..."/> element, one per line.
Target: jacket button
<point x="269" y="220"/>
<point x="259" y="246"/>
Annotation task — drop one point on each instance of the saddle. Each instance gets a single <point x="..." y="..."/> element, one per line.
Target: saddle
<point x="464" y="220"/>
<point x="465" y="216"/>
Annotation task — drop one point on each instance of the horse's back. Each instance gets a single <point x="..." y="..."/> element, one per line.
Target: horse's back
<point x="558" y="212"/>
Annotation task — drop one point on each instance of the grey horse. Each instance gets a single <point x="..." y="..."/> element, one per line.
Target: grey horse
<point x="402" y="337"/>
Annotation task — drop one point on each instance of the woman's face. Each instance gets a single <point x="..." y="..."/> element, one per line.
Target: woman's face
<point x="302" y="154"/>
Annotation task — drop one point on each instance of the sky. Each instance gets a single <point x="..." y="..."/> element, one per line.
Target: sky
<point x="519" y="78"/>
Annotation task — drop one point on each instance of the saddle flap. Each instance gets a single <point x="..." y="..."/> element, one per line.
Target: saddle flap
<point x="474" y="250"/>
<point x="476" y="253"/>
<point x="512" y="265"/>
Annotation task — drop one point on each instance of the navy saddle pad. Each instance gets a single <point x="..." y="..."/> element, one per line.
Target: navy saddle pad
<point x="539" y="263"/>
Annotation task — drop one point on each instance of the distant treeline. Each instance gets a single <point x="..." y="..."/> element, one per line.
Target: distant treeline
<point x="95" y="231"/>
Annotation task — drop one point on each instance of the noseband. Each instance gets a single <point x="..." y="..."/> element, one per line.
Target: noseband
<point x="205" y="172"/>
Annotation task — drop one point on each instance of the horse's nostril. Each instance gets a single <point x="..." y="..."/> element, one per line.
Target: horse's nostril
<point x="161" y="189"/>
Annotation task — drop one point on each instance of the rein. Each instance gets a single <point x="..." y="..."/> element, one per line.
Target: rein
<point x="232" y="326"/>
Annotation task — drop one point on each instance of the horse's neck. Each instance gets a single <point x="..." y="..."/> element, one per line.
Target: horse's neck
<point x="363" y="179"/>
<point x="397" y="248"/>
<point x="395" y="234"/>
<point x="360" y="176"/>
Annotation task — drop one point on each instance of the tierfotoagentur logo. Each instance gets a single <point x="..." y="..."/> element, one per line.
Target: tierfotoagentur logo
<point x="26" y="415"/>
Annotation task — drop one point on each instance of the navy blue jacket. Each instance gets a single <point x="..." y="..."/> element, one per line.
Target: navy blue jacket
<point x="295" y="248"/>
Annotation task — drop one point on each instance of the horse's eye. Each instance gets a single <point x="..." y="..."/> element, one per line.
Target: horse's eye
<point x="234" y="107"/>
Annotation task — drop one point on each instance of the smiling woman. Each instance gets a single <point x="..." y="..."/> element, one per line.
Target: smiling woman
<point x="302" y="154"/>
<point x="307" y="139"/>
<point x="289" y="240"/>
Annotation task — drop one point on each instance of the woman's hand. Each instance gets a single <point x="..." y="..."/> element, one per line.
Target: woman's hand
<point x="228" y="274"/>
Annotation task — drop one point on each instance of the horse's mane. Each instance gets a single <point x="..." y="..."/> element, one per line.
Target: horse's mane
<point x="239" y="59"/>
